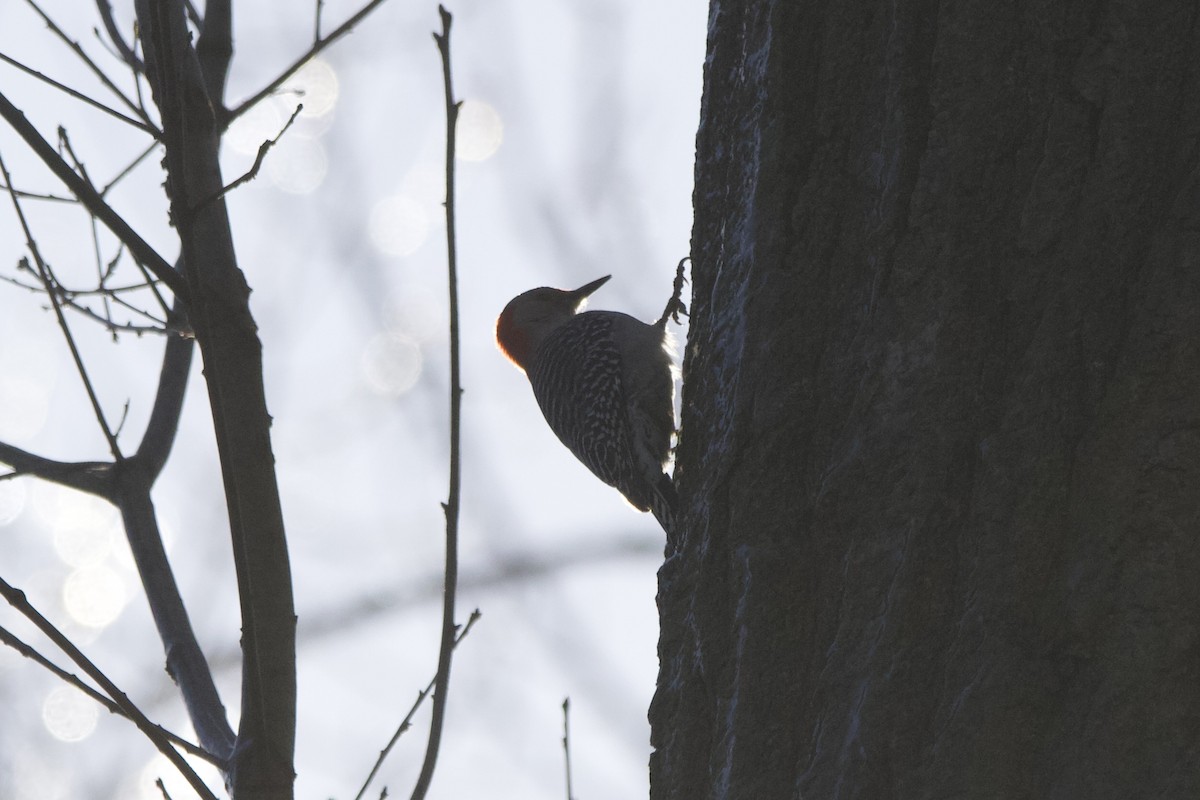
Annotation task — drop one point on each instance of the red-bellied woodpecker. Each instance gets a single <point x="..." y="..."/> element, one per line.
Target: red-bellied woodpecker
<point x="603" y="381"/>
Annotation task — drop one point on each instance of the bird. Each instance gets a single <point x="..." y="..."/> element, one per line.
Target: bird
<point x="605" y="385"/>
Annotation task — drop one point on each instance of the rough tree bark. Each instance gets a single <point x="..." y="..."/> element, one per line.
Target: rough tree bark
<point x="941" y="431"/>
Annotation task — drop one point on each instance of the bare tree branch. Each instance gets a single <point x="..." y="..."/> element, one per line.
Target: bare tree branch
<point x="128" y="169"/>
<point x="91" y="199"/>
<point x="47" y="278"/>
<point x="157" y="326"/>
<point x="11" y="640"/>
<point x="25" y="195"/>
<point x="185" y="660"/>
<point x="406" y="723"/>
<point x="320" y="44"/>
<point x="124" y="50"/>
<point x="95" y="68"/>
<point x="214" y="49"/>
<point x="451" y="507"/>
<point x="62" y="87"/>
<point x="16" y="598"/>
<point x="93" y="477"/>
<point x="252" y="173"/>
<point x="317" y="21"/>
<point x="168" y="405"/>
<point x="103" y="273"/>
<point x="328" y="623"/>
<point x="225" y="330"/>
<point x="175" y="323"/>
<point x="566" y="743"/>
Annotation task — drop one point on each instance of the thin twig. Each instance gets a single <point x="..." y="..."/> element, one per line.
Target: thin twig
<point x="56" y="198"/>
<point x="91" y="199"/>
<point x="152" y="285"/>
<point x="16" y="598"/>
<point x="406" y="723"/>
<point x="128" y="169"/>
<point x="252" y="173"/>
<point x="99" y="73"/>
<point x="114" y="327"/>
<point x="317" y="46"/>
<point x="64" y="146"/>
<point x="112" y="262"/>
<point x="8" y="638"/>
<point x="104" y="275"/>
<point x="121" y="421"/>
<point x="91" y="101"/>
<point x="48" y="281"/>
<point x="451" y="507"/>
<point x="317" y="21"/>
<point x="137" y="76"/>
<point x="114" y="34"/>
<point x="157" y="326"/>
<point x="567" y="744"/>
<point x="70" y="294"/>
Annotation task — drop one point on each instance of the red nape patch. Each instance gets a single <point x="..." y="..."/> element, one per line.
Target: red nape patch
<point x="511" y="340"/>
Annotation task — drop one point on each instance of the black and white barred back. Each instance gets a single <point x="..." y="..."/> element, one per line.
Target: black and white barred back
<point x="616" y="416"/>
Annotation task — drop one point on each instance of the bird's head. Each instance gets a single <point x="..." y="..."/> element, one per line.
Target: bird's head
<point x="530" y="317"/>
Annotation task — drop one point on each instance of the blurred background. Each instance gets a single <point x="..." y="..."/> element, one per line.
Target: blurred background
<point x="576" y="150"/>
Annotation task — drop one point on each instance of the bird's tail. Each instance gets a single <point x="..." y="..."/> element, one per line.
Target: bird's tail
<point x="664" y="503"/>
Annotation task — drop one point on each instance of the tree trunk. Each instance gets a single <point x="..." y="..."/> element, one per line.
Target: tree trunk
<point x="941" y="428"/>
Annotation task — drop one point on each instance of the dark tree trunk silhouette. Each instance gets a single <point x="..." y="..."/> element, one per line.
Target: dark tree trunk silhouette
<point x="941" y="427"/>
<point x="188" y="88"/>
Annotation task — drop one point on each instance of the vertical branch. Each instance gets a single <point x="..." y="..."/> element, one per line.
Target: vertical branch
<point x="214" y="48"/>
<point x="163" y="424"/>
<point x="567" y="744"/>
<point x="451" y="507"/>
<point x="219" y="311"/>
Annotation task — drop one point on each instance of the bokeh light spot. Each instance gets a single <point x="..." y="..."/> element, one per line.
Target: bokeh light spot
<point x="57" y="506"/>
<point x="398" y="225"/>
<point x="144" y="788"/>
<point x="94" y="596"/>
<point x="316" y="85"/>
<point x="83" y="525"/>
<point x="415" y="313"/>
<point x="12" y="501"/>
<point x="426" y="183"/>
<point x="480" y="131"/>
<point x="391" y="363"/>
<point x="260" y="124"/>
<point x="297" y="164"/>
<point x="83" y="546"/>
<point x="69" y="715"/>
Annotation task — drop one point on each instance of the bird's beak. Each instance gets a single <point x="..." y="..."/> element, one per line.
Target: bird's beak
<point x="582" y="292"/>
